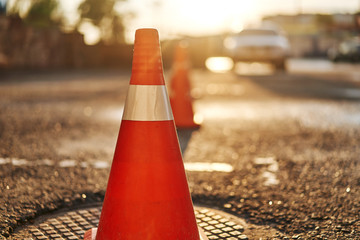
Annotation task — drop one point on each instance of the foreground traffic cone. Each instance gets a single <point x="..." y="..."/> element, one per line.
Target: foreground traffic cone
<point x="180" y="97"/>
<point x="147" y="195"/>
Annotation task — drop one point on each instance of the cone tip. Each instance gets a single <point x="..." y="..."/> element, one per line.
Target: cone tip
<point x="147" y="35"/>
<point x="147" y="62"/>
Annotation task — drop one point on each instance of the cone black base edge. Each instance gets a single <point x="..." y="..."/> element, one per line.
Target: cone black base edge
<point x="91" y="234"/>
<point x="194" y="126"/>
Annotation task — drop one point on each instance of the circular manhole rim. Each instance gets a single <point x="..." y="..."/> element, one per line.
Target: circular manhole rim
<point x="72" y="223"/>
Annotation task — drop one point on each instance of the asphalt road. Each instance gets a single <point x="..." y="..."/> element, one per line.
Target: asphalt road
<point x="286" y="145"/>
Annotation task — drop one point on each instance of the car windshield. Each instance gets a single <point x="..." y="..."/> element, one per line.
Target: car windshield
<point x="257" y="32"/>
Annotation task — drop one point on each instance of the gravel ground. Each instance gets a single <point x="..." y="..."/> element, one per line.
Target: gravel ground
<point x="318" y="191"/>
<point x="291" y="178"/>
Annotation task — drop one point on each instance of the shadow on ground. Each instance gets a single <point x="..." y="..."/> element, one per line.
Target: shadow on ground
<point x="184" y="136"/>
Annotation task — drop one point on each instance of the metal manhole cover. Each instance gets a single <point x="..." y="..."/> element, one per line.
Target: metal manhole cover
<point x="73" y="224"/>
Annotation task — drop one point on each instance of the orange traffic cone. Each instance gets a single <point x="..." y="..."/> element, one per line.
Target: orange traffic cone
<point x="180" y="97"/>
<point x="147" y="196"/>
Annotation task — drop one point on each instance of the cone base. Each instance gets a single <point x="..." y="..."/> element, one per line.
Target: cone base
<point x="147" y="187"/>
<point x="91" y="234"/>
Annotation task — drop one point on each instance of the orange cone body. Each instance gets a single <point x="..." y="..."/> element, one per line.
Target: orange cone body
<point x="180" y="97"/>
<point x="147" y="195"/>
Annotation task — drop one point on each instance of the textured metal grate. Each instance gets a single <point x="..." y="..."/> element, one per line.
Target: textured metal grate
<point x="73" y="224"/>
<point x="217" y="225"/>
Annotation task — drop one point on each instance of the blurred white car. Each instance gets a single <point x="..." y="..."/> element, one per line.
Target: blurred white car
<point x="258" y="45"/>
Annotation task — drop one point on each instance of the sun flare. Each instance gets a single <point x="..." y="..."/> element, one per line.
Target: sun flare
<point x="204" y="17"/>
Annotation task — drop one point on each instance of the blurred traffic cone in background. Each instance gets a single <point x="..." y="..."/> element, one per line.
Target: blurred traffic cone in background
<point x="147" y="195"/>
<point x="180" y="97"/>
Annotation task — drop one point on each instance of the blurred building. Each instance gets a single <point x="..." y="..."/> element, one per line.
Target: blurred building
<point x="28" y="47"/>
<point x="311" y="35"/>
<point x="23" y="46"/>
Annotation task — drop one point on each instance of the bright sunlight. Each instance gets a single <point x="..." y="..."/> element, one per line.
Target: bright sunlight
<point x="196" y="18"/>
<point x="204" y="16"/>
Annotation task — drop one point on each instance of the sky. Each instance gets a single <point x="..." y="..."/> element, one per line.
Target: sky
<point x="203" y="17"/>
<point x="197" y="17"/>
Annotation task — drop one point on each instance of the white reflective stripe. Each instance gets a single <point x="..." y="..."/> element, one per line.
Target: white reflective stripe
<point x="147" y="103"/>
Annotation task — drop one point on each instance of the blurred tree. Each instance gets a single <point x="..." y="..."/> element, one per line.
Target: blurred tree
<point x="96" y="10"/>
<point x="102" y="15"/>
<point x="40" y="13"/>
